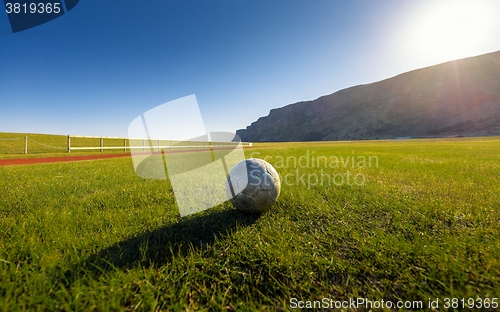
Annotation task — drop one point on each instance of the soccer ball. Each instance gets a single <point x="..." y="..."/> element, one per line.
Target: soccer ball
<point x="253" y="185"/>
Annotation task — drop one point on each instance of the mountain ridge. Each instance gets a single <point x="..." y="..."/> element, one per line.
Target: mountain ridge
<point x="456" y="98"/>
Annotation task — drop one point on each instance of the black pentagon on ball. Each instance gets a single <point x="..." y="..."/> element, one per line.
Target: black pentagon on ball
<point x="243" y="202"/>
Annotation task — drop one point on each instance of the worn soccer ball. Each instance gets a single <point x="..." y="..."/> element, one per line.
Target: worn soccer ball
<point x="253" y="185"/>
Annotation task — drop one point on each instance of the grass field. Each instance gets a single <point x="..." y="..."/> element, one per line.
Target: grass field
<point x="406" y="220"/>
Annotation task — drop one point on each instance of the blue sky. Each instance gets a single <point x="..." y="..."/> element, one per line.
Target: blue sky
<point x="93" y="70"/>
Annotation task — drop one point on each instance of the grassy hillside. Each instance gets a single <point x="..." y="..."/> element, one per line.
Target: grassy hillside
<point x="42" y="145"/>
<point x="12" y="144"/>
<point x="392" y="220"/>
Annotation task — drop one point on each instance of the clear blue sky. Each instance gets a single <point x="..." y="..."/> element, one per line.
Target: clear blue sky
<point x="95" y="69"/>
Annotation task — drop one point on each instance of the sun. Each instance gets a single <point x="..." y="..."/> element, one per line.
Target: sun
<point x="447" y="30"/>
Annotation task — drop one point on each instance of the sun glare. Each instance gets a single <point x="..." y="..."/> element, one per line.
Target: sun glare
<point x="447" y="30"/>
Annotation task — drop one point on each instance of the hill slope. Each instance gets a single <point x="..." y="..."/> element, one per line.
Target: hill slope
<point x="460" y="97"/>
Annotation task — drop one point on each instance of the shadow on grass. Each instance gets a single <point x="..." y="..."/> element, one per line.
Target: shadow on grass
<point x="157" y="247"/>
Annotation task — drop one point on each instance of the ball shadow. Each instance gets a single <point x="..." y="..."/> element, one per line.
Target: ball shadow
<point x="157" y="247"/>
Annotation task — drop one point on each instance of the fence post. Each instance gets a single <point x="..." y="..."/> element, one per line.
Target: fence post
<point x="143" y="144"/>
<point x="101" y="143"/>
<point x="125" y="145"/>
<point x="25" y="144"/>
<point x="158" y="145"/>
<point x="69" y="144"/>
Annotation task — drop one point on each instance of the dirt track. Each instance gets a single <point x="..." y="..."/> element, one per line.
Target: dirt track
<point x="44" y="160"/>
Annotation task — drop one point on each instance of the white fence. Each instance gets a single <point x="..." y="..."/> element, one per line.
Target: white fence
<point x="48" y="144"/>
<point x="151" y="144"/>
<point x="10" y="144"/>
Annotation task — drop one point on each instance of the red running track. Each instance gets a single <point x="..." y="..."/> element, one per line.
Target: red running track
<point x="45" y="160"/>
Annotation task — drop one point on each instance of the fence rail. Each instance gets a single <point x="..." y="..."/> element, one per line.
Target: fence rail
<point x="88" y="143"/>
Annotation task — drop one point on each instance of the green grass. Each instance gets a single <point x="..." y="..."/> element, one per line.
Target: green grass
<point x="92" y="235"/>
